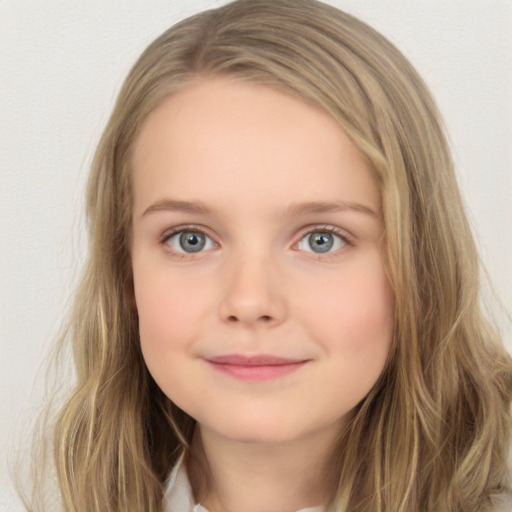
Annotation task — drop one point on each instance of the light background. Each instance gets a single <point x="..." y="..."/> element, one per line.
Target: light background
<point x="62" y="64"/>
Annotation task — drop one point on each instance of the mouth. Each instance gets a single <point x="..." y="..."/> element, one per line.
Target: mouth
<point x="255" y="367"/>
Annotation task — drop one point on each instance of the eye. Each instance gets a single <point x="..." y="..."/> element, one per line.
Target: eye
<point x="321" y="242"/>
<point x="189" y="241"/>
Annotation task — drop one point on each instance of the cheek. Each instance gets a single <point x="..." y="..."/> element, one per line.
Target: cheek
<point x="356" y="331"/>
<point x="168" y="312"/>
<point x="354" y="313"/>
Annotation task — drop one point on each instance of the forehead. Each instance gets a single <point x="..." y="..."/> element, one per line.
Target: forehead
<point x="235" y="143"/>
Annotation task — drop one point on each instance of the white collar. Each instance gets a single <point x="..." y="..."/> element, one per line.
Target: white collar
<point x="178" y="495"/>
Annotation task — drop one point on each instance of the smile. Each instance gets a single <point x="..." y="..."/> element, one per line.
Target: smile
<point x="257" y="367"/>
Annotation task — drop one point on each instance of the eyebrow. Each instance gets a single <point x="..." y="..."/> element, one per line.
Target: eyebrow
<point x="297" y="209"/>
<point x="294" y="210"/>
<point x="173" y="205"/>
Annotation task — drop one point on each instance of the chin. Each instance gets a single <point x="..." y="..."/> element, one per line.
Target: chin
<point x="261" y="430"/>
<point x="249" y="436"/>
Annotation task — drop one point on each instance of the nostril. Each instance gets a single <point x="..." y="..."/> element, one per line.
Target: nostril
<point x="262" y="318"/>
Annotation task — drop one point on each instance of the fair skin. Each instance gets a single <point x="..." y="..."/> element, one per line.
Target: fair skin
<point x="264" y="307"/>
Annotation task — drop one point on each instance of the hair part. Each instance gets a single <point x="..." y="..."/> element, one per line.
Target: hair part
<point x="433" y="433"/>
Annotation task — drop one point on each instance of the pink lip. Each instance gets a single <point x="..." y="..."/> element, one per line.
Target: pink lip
<point x="255" y="367"/>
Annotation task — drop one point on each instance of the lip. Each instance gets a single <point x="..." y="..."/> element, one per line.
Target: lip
<point x="255" y="367"/>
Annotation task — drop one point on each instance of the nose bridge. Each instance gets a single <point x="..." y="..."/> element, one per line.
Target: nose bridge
<point x="251" y="291"/>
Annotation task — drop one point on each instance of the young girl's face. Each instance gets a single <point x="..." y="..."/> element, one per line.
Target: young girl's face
<point x="264" y="308"/>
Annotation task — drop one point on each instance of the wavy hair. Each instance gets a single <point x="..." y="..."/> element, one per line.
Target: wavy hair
<point x="433" y="434"/>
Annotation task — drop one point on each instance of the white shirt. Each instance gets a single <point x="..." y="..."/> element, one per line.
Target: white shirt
<point x="178" y="495"/>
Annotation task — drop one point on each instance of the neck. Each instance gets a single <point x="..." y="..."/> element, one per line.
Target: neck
<point x="274" y="477"/>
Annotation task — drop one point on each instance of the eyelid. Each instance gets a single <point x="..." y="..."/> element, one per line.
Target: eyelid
<point x="184" y="227"/>
<point x="327" y="228"/>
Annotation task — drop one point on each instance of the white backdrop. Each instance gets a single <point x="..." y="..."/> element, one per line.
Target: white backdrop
<point x="63" y="62"/>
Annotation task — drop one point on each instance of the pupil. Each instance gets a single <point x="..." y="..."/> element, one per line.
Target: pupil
<point x="192" y="242"/>
<point x="321" y="242"/>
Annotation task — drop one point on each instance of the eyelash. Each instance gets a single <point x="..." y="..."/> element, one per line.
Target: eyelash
<point x="346" y="237"/>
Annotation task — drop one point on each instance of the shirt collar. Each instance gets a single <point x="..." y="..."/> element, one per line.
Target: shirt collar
<point x="179" y="498"/>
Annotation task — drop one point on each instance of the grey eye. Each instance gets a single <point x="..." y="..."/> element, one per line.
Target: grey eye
<point x="321" y="242"/>
<point x="190" y="242"/>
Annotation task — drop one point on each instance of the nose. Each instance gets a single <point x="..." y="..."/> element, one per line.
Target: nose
<point x="252" y="294"/>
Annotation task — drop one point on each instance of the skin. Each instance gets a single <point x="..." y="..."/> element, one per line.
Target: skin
<point x="238" y="162"/>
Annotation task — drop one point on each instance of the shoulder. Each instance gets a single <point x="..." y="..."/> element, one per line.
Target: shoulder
<point x="502" y="502"/>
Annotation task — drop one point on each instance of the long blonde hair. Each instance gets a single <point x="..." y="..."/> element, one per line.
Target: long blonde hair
<point x="432" y="436"/>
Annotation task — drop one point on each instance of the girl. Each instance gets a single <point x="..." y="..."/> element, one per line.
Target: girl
<point x="280" y="307"/>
